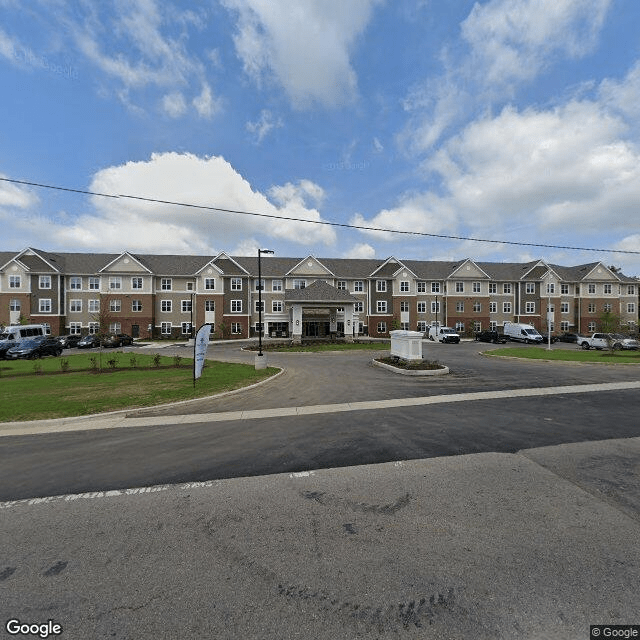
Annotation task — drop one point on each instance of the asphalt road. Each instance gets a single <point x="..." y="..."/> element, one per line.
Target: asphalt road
<point x="62" y="463"/>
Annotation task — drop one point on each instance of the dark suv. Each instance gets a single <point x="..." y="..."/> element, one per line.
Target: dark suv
<point x="490" y="336"/>
<point x="116" y="340"/>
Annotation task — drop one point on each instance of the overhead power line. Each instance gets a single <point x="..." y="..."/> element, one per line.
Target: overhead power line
<point x="319" y="222"/>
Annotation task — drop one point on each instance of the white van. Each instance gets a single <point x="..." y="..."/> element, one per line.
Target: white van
<point x="19" y="332"/>
<point x="522" y="332"/>
<point x="443" y="334"/>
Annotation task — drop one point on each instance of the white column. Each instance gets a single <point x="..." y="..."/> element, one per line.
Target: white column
<point x="296" y="322"/>
<point x="348" y="322"/>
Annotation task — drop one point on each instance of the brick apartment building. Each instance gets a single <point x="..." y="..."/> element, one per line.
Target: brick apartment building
<point x="166" y="295"/>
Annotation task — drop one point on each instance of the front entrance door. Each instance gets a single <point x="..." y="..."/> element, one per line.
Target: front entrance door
<point x="311" y="329"/>
<point x="135" y="330"/>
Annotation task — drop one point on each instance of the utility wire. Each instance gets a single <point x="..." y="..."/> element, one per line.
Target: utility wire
<point x="320" y="222"/>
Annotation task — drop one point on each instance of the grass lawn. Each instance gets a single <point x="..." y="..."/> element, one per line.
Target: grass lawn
<point x="566" y="355"/>
<point x="26" y="394"/>
<point x="325" y="346"/>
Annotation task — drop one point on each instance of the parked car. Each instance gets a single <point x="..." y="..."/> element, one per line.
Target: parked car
<point x="5" y="345"/>
<point x="35" y="348"/>
<point x="117" y="340"/>
<point x="89" y="341"/>
<point x="491" y="336"/>
<point x="69" y="341"/>
<point x="568" y="337"/>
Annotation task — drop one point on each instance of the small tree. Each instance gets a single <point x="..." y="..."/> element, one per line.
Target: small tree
<point x="609" y="323"/>
<point x="103" y="318"/>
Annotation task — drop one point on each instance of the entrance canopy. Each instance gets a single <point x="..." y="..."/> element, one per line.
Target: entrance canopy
<point x="320" y="298"/>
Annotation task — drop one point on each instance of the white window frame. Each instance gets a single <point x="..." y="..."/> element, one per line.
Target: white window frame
<point x="530" y="287"/>
<point x="94" y="284"/>
<point x="276" y="285"/>
<point x="591" y="288"/>
<point x="564" y="289"/>
<point x="530" y="307"/>
<point x="165" y="328"/>
<point x="631" y="307"/>
<point x="75" y="306"/>
<point x="236" y="328"/>
<point x="608" y="289"/>
<point x="477" y="307"/>
<point x="381" y="286"/>
<point x="258" y="304"/>
<point x="404" y="286"/>
<point x="435" y="306"/>
<point x="259" y="284"/>
<point x="381" y="306"/>
<point x="94" y="306"/>
<point x="276" y="306"/>
<point x="341" y="285"/>
<point x="382" y="327"/>
<point x="210" y="284"/>
<point x="210" y="305"/>
<point x="75" y="328"/>
<point x="459" y="287"/>
<point x="421" y="286"/>
<point x="236" y="306"/>
<point x="166" y="284"/>
<point x="421" y="326"/>
<point x="422" y="307"/>
<point x="115" y="306"/>
<point x="564" y="307"/>
<point x="44" y="305"/>
<point x="15" y="282"/>
<point x="15" y="305"/>
<point x="299" y="283"/>
<point x="186" y="328"/>
<point x="75" y="283"/>
<point x="506" y="287"/>
<point x="493" y="307"/>
<point x="44" y="282"/>
<point x="358" y="286"/>
<point x="551" y="288"/>
<point x="186" y="306"/>
<point x="115" y="283"/>
<point x="137" y="283"/>
<point x="506" y="307"/>
<point x="358" y="307"/>
<point x="460" y="306"/>
<point x="166" y="306"/>
<point x="476" y="287"/>
<point x="493" y="287"/>
<point x="435" y="287"/>
<point x="136" y="306"/>
<point x="404" y="306"/>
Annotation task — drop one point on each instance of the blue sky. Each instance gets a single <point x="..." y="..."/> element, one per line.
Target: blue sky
<point x="511" y="120"/>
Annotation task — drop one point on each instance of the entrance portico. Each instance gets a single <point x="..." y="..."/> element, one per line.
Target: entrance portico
<point x="314" y="312"/>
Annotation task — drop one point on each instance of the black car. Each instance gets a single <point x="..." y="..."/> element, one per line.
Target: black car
<point x="67" y="342"/>
<point x="89" y="341"/>
<point x="5" y="345"/>
<point x="116" y="340"/>
<point x="568" y="337"/>
<point x="491" y="336"/>
<point x="35" y="348"/>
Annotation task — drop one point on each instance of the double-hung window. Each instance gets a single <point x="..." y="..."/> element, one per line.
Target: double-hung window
<point x="236" y="306"/>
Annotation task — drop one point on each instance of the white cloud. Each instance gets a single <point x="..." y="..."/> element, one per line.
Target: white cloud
<point x="512" y="40"/>
<point x="136" y="225"/>
<point x="206" y="105"/>
<point x="422" y="213"/>
<point x="174" y="105"/>
<point x="15" y="195"/>
<point x="263" y="125"/>
<point x="361" y="250"/>
<point x="304" y="46"/>
<point x="510" y="43"/>
<point x="623" y="96"/>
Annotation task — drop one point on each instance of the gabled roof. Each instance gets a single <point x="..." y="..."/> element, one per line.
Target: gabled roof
<point x="319" y="291"/>
<point x="125" y="255"/>
<point x="229" y="266"/>
<point x="469" y="263"/>
<point x="307" y="259"/>
<point x="388" y="268"/>
<point x="38" y="261"/>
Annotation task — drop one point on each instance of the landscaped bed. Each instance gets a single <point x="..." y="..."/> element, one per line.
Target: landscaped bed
<point x="411" y="367"/>
<point x="35" y="390"/>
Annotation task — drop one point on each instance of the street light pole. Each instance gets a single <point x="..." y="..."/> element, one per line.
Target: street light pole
<point x="260" y="252"/>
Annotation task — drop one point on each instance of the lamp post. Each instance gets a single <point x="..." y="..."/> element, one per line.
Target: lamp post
<point x="259" y="357"/>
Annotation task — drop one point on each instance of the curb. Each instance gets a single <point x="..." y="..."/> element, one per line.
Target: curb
<point x="414" y="372"/>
